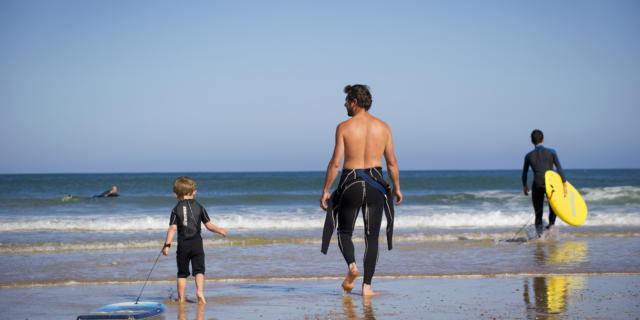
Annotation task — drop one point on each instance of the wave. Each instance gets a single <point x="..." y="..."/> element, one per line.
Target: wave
<point x="301" y="219"/>
<point x="612" y="195"/>
<point x="498" y="198"/>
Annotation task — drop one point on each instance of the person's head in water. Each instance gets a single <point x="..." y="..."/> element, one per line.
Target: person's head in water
<point x="358" y="95"/>
<point x="114" y="189"/>
<point x="537" y="137"/>
<point x="184" y="186"/>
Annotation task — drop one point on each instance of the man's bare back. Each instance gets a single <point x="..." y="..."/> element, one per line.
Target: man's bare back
<point x="365" y="138"/>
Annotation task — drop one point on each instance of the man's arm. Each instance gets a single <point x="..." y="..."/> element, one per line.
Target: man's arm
<point x="333" y="168"/>
<point x="211" y="227"/>
<point x="556" y="162"/>
<point x="525" y="172"/>
<point x="170" y="233"/>
<point x="392" y="168"/>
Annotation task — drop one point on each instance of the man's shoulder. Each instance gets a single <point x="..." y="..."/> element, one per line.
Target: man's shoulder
<point x="381" y="123"/>
<point x="550" y="150"/>
<point x="357" y="124"/>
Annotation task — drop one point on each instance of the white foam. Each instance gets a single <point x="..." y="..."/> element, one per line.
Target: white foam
<point x="296" y="219"/>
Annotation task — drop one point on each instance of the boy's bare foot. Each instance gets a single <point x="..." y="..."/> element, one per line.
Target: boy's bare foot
<point x="347" y="284"/>
<point x="201" y="299"/>
<point x="366" y="290"/>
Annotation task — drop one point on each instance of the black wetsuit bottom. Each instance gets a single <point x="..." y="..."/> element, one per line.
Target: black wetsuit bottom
<point x="360" y="195"/>
<point x="190" y="251"/>
<point x="537" y="197"/>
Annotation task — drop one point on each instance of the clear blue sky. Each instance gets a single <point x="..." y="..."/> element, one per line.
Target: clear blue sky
<point x="138" y="86"/>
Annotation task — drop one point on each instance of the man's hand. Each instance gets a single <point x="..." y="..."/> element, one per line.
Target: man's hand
<point x="525" y="190"/>
<point x="222" y="232"/>
<point x="165" y="251"/>
<point x="398" y="195"/>
<point x="323" y="200"/>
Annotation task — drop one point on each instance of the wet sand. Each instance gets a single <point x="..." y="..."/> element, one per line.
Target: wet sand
<point x="563" y="296"/>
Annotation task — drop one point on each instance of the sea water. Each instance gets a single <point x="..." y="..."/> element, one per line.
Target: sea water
<point x="451" y="223"/>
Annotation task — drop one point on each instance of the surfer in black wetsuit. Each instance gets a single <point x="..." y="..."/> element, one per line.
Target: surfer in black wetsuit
<point x="113" y="192"/>
<point x="540" y="160"/>
<point x="363" y="140"/>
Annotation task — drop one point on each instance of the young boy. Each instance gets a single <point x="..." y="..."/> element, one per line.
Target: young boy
<point x="186" y="218"/>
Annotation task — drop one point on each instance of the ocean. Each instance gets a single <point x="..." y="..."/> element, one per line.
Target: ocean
<point x="452" y="223"/>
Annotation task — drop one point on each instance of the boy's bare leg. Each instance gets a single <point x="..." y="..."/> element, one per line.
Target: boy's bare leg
<point x="366" y="290"/>
<point x="200" y="288"/>
<point x="347" y="284"/>
<point x="182" y="312"/>
<point x="200" y="312"/>
<point x="182" y="285"/>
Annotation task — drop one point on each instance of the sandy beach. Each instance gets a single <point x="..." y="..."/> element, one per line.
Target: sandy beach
<point x="523" y="297"/>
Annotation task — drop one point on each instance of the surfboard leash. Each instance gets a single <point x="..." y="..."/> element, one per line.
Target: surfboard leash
<point x="149" y="275"/>
<point x="524" y="226"/>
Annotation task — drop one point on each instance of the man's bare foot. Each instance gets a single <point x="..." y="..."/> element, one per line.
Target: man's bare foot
<point x="201" y="299"/>
<point x="347" y="284"/>
<point x="366" y="290"/>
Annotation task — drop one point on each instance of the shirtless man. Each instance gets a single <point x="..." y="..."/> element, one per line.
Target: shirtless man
<point x="362" y="141"/>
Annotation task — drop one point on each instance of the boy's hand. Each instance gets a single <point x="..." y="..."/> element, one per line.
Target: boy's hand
<point x="165" y="251"/>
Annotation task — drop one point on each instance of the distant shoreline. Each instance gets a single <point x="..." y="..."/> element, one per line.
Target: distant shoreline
<point x="293" y="171"/>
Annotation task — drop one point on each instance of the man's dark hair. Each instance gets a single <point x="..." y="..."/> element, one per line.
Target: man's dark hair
<point x="359" y="92"/>
<point x="536" y="136"/>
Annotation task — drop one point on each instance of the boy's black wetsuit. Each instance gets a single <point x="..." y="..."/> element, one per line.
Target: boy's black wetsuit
<point x="363" y="189"/>
<point x="188" y="214"/>
<point x="540" y="160"/>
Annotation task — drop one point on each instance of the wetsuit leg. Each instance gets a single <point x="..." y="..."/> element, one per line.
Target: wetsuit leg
<point x="537" y="197"/>
<point x="182" y="260"/>
<point x="352" y="199"/>
<point x="552" y="216"/>
<point x="197" y="260"/>
<point x="372" y="215"/>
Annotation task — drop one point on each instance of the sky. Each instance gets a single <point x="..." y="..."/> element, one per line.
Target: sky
<point x="165" y="86"/>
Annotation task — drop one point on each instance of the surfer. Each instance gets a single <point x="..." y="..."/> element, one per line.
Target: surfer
<point x="113" y="192"/>
<point x="540" y="160"/>
<point x="186" y="218"/>
<point x="363" y="140"/>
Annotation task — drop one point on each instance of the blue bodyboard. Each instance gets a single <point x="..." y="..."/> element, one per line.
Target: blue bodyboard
<point x="126" y="310"/>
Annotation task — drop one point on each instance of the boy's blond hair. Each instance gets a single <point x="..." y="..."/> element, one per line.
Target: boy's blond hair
<point x="184" y="186"/>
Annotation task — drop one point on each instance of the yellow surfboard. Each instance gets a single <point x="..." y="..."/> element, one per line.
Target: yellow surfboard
<point x="571" y="208"/>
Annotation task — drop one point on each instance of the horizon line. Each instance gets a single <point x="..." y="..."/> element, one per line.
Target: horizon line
<point x="281" y="171"/>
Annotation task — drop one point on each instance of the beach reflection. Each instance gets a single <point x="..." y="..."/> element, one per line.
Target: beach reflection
<point x="551" y="294"/>
<point x="563" y="256"/>
<point x="350" y="311"/>
<point x="183" y="314"/>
